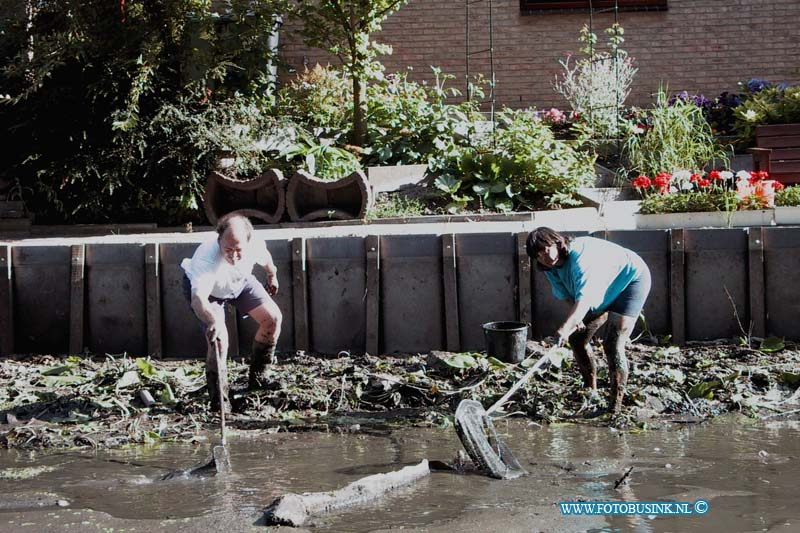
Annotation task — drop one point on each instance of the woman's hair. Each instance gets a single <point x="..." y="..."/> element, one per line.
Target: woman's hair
<point x="541" y="238"/>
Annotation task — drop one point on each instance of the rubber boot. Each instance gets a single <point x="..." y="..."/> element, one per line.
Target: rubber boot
<point x="260" y="356"/>
<point x="213" y="391"/>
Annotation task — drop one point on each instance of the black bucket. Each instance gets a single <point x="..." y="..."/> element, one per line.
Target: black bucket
<point x="506" y="340"/>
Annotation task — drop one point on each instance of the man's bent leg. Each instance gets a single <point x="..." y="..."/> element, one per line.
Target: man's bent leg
<point x="581" y="347"/>
<point x="617" y="335"/>
<point x="269" y="319"/>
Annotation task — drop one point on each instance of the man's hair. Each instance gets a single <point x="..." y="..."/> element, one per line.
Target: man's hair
<point x="541" y="238"/>
<point x="231" y="219"/>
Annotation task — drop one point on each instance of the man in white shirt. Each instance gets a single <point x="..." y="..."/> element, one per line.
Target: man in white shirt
<point x="221" y="272"/>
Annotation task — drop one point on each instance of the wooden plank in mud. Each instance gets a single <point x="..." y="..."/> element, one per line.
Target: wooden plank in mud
<point x="755" y="275"/>
<point x="296" y="509"/>
<point x="300" y="294"/>
<point x="677" y="285"/>
<point x="373" y="244"/>
<point x="76" y="308"/>
<point x="452" y="323"/>
<point x="412" y="293"/>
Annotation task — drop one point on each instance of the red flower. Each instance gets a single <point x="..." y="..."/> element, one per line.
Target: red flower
<point x="715" y="175"/>
<point x="642" y="182"/>
<point x="703" y="182"/>
<point x="662" y="182"/>
<point x="778" y="186"/>
<point x="694" y="177"/>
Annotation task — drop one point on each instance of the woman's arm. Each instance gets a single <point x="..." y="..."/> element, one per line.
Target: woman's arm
<point x="574" y="320"/>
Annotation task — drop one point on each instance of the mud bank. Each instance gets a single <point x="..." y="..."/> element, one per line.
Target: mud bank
<point x="48" y="402"/>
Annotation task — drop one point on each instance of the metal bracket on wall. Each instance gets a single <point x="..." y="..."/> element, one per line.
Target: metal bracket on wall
<point x="755" y="273"/>
<point x="153" y="298"/>
<point x="453" y="333"/>
<point x="6" y="303"/>
<point x="524" y="301"/>
<point x="677" y="285"/>
<point x="373" y="247"/>
<point x="300" y="294"/>
<point x="76" y="295"/>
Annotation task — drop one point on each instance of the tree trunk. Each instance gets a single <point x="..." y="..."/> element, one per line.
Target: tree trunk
<point x="359" y="112"/>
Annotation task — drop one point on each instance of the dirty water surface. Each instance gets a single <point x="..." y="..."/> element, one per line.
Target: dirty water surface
<point x="746" y="470"/>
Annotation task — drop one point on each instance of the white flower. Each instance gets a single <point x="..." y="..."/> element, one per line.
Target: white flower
<point x="743" y="175"/>
<point x="686" y="186"/>
<point x="637" y="130"/>
<point x="681" y="175"/>
<point x="673" y="188"/>
<point x="750" y="115"/>
<point x="726" y="174"/>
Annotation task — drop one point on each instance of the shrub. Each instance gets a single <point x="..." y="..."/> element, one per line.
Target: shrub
<point x="693" y="201"/>
<point x="319" y="100"/>
<point x="771" y="105"/>
<point x="522" y="164"/>
<point x="790" y="196"/>
<point x="598" y="83"/>
<point x="113" y="106"/>
<point x="674" y="137"/>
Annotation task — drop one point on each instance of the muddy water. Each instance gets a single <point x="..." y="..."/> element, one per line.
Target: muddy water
<point x="747" y="471"/>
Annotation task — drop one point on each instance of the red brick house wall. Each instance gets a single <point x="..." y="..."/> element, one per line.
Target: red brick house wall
<point x="699" y="46"/>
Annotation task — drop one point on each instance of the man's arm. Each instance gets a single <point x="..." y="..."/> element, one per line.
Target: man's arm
<point x="272" y="274"/>
<point x="204" y="313"/>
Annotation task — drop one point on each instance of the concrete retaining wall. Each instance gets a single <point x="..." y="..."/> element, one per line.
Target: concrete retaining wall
<point x="387" y="294"/>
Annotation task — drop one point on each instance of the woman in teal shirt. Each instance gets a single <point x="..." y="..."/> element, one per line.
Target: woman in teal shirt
<point x="604" y="282"/>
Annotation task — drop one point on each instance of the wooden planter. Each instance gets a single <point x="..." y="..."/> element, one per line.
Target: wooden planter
<point x="262" y="197"/>
<point x="310" y="198"/>
<point x="711" y="219"/>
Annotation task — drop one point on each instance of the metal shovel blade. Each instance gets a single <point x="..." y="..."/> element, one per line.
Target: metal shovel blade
<point x="486" y="449"/>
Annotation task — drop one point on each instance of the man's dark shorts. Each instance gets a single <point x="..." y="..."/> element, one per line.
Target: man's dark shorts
<point x="251" y="296"/>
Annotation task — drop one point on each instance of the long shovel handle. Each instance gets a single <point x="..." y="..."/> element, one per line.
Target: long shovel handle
<point x="524" y="378"/>
<point x="218" y="357"/>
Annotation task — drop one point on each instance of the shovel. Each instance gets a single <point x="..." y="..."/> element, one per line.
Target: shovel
<point x="220" y="462"/>
<point x="477" y="433"/>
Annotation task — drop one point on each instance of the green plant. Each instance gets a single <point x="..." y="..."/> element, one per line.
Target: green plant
<point x="772" y="105"/>
<point x="395" y="207"/>
<point x="790" y="196"/>
<point x="319" y="99"/>
<point x="522" y="164"/>
<point x="691" y="201"/>
<point x="320" y="157"/>
<point x="344" y="29"/>
<point x="122" y="99"/>
<point x="409" y="123"/>
<point x="677" y="137"/>
<point x="598" y="83"/>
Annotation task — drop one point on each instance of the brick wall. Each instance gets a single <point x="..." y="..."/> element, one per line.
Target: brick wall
<point x="703" y="46"/>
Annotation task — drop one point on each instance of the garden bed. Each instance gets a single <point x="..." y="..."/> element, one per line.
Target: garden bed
<point x="51" y="402"/>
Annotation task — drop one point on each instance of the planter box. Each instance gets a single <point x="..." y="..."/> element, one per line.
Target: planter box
<point x="787" y="215"/>
<point x="309" y="198"/>
<point x="712" y="219"/>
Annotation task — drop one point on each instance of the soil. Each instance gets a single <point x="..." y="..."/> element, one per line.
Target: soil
<point x="48" y="401"/>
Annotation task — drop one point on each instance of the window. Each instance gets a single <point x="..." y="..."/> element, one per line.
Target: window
<point x="528" y="6"/>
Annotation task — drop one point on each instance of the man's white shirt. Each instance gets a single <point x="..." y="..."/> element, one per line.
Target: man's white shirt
<point x="207" y="268"/>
